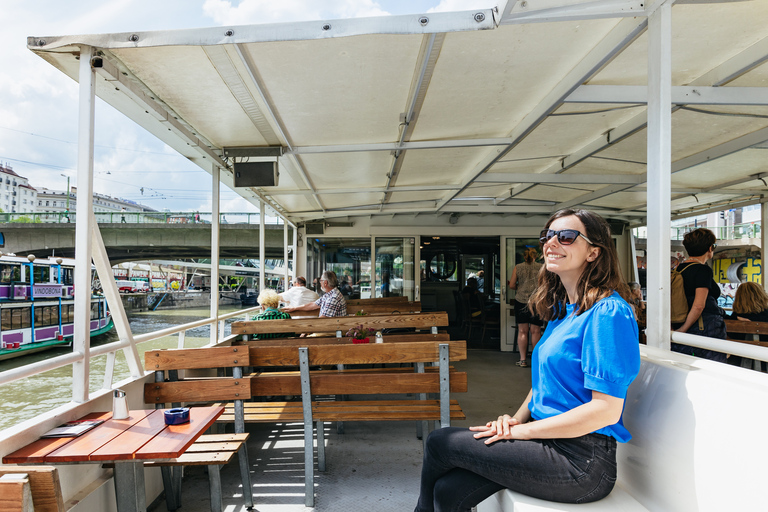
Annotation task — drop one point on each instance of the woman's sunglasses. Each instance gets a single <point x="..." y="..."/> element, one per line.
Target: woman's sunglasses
<point x="564" y="236"/>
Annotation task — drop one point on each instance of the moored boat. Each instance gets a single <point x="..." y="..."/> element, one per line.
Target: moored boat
<point x="37" y="305"/>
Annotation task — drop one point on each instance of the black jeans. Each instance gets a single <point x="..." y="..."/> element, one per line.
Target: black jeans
<point x="460" y="471"/>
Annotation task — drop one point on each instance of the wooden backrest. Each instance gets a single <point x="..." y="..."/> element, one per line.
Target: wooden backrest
<point x="392" y="308"/>
<point x="676" y="458"/>
<point x="342" y="323"/>
<point x="45" y="485"/>
<point x="378" y="300"/>
<point x="751" y="330"/>
<point x="371" y="353"/>
<point x="196" y="390"/>
<point x="332" y="340"/>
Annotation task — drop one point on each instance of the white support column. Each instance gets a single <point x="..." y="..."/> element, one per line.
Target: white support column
<point x="109" y="286"/>
<point x="215" y="230"/>
<point x="373" y="267"/>
<point x="82" y="335"/>
<point x="262" y="238"/>
<point x="659" y="173"/>
<point x="296" y="251"/>
<point x="285" y="255"/>
<point x="763" y="242"/>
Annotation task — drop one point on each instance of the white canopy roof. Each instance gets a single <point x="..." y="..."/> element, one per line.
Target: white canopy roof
<point x="521" y="109"/>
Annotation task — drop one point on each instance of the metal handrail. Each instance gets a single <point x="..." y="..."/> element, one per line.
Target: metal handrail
<point x="730" y="347"/>
<point x="63" y="360"/>
<point x="118" y="217"/>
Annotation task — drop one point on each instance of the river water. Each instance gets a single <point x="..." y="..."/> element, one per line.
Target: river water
<point x="26" y="398"/>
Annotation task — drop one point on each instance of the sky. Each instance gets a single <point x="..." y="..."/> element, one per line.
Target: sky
<point x="38" y="103"/>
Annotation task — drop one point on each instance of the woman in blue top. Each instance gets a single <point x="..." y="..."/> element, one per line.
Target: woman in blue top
<point x="560" y="445"/>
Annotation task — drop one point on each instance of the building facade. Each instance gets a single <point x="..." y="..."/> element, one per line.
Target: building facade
<point x="16" y="194"/>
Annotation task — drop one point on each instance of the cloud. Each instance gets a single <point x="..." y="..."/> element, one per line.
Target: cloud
<point x="269" y="11"/>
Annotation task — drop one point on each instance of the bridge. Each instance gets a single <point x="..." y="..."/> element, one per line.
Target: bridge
<point x="140" y="241"/>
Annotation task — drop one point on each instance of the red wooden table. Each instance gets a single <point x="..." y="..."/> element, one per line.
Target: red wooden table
<point x="128" y="443"/>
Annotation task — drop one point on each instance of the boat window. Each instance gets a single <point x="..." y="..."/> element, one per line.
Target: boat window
<point x="94" y="311"/>
<point x="46" y="315"/>
<point x="394" y="267"/>
<point x="67" y="275"/>
<point x="42" y="274"/>
<point x="442" y="267"/>
<point x="5" y="320"/>
<point x="349" y="258"/>
<point x="20" y="318"/>
<point x="67" y="313"/>
<point x="9" y="273"/>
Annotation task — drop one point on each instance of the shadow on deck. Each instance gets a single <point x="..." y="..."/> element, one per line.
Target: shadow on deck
<point x="372" y="466"/>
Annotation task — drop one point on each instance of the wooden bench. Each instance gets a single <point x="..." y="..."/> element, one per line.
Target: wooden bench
<point x="313" y="385"/>
<point x="384" y="308"/>
<point x="751" y="331"/>
<point x="341" y="324"/>
<point x="377" y="300"/>
<point x="40" y="488"/>
<point x="698" y="442"/>
<point x="210" y="450"/>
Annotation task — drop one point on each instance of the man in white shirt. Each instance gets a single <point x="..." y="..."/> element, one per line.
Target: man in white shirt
<point x="298" y="294"/>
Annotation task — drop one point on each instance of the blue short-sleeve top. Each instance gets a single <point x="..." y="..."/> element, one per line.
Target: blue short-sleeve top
<point x="595" y="351"/>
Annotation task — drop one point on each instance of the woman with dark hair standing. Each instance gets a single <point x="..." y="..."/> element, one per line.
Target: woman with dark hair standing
<point x="524" y="278"/>
<point x="705" y="317"/>
<point x="560" y="445"/>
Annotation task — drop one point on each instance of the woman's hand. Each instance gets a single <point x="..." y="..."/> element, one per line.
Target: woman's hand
<point x="501" y="428"/>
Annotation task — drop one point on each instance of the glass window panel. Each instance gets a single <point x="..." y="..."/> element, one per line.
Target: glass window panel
<point x="349" y="258"/>
<point x="395" y="267"/>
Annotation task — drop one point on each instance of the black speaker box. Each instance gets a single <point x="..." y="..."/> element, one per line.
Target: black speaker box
<point x="256" y="174"/>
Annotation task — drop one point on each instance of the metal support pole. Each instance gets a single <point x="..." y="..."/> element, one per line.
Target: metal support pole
<point x="262" y="248"/>
<point x="285" y="256"/>
<point x="309" y="455"/>
<point x="215" y="230"/>
<point x="296" y="252"/>
<point x="445" y="386"/>
<point x="242" y="453"/>
<point x="82" y="328"/>
<point x="659" y="173"/>
<point x="763" y="240"/>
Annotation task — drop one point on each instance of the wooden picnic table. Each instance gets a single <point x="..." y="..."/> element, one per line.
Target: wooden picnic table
<point x="127" y="443"/>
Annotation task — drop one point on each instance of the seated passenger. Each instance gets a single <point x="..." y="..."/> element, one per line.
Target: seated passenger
<point x="331" y="303"/>
<point x="269" y="300"/>
<point x="750" y="304"/>
<point x="473" y="296"/>
<point x="298" y="294"/>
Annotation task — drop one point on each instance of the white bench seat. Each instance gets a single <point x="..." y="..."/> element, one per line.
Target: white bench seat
<point x="506" y="501"/>
<point x="699" y="442"/>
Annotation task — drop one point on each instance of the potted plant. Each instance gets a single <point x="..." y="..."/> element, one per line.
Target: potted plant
<point x="360" y="334"/>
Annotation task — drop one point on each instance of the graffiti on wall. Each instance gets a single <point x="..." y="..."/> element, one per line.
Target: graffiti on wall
<point x="750" y="271"/>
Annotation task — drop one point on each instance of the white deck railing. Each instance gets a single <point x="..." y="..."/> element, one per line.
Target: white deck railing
<point x="110" y="349"/>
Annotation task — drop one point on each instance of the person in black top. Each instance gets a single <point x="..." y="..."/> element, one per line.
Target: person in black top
<point x="705" y="317"/>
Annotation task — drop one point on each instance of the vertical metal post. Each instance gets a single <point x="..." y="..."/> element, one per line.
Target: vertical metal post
<point x="242" y="453"/>
<point x="82" y="328"/>
<point x="262" y="248"/>
<point x="285" y="256"/>
<point x="309" y="456"/>
<point x="373" y="267"/>
<point x="659" y="173"/>
<point x="445" y="386"/>
<point x="215" y="231"/>
<point x="764" y="239"/>
<point x="296" y="252"/>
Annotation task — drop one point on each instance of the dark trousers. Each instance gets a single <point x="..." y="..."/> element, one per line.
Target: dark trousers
<point x="460" y="471"/>
<point x="712" y="326"/>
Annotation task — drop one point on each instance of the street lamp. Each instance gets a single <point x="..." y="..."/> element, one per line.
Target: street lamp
<point x="67" y="213"/>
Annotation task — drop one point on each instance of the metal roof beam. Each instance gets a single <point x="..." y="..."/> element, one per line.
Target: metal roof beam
<point x="610" y="46"/>
<point x="682" y="95"/>
<point x="270" y="110"/>
<point x="568" y="11"/>
<point x="562" y="179"/>
<point x="394" y="146"/>
<point x="719" y="76"/>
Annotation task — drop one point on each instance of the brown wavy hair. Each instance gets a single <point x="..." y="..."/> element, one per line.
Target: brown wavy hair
<point x="600" y="278"/>
<point x="750" y="298"/>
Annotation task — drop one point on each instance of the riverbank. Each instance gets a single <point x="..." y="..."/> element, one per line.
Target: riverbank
<point x="153" y="301"/>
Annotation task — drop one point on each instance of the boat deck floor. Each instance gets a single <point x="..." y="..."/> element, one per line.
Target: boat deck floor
<point x="372" y="466"/>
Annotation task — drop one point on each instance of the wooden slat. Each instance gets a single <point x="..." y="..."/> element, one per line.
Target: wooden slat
<point x="222" y="438"/>
<point x="377" y="300"/>
<point x="344" y="323"/>
<point x="45" y="485"/>
<point x="354" y="410"/>
<point x="746" y="327"/>
<point x="197" y="390"/>
<point x="392" y="308"/>
<point x="176" y="438"/>
<point x="124" y="446"/>
<point x="192" y="358"/>
<point x="36" y="451"/>
<point x="332" y="340"/>
<point x="371" y="353"/>
<point x="207" y="447"/>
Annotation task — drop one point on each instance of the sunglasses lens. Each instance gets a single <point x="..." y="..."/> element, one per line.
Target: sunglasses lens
<point x="545" y="235"/>
<point x="567" y="236"/>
